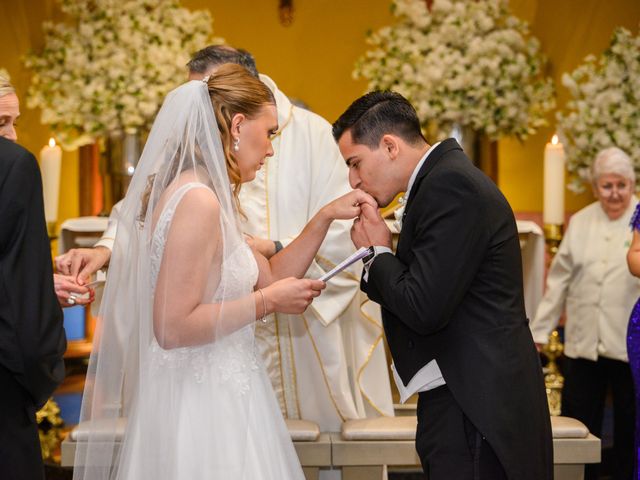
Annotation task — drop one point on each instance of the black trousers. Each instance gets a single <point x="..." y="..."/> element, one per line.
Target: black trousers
<point x="448" y="444"/>
<point x="583" y="397"/>
<point x="20" y="457"/>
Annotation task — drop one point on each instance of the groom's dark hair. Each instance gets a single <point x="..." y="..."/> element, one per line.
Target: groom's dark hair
<point x="376" y="114"/>
<point x="215" y="55"/>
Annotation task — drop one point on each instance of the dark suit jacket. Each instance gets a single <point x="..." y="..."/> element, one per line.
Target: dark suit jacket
<point x="453" y="292"/>
<point x="32" y="339"/>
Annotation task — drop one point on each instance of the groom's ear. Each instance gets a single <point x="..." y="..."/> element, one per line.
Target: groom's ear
<point x="391" y="145"/>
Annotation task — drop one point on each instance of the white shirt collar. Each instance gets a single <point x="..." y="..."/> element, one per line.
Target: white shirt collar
<point x="412" y="179"/>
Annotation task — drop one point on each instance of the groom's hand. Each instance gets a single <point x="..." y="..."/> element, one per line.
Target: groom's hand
<point x="370" y="227"/>
<point x="359" y="235"/>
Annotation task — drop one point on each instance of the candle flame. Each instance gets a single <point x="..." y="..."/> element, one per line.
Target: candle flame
<point x="52" y="142"/>
<point x="554" y="140"/>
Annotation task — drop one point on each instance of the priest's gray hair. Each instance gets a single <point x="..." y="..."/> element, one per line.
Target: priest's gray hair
<point x="612" y="160"/>
<point x="216" y="55"/>
<point x="5" y="85"/>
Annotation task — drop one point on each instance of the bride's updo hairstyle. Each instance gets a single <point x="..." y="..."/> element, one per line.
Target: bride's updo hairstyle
<point x="234" y="90"/>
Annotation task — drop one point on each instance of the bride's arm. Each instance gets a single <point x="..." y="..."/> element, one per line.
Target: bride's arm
<point x="294" y="260"/>
<point x="193" y="250"/>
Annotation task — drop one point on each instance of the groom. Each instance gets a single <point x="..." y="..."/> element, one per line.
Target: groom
<point x="451" y="297"/>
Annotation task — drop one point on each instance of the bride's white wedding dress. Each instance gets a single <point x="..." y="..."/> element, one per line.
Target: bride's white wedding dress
<point x="206" y="412"/>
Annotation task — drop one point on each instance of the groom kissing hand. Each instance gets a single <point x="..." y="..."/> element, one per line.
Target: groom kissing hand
<point x="370" y="229"/>
<point x="451" y="297"/>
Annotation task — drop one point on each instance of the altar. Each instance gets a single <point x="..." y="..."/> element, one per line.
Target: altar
<point x="532" y="247"/>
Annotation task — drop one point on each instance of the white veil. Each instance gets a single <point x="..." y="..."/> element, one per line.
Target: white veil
<point x="180" y="381"/>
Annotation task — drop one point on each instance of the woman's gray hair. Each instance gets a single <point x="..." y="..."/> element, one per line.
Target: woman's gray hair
<point x="612" y="160"/>
<point x="5" y="85"/>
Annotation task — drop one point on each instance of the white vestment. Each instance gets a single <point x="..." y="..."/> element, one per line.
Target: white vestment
<point x="327" y="365"/>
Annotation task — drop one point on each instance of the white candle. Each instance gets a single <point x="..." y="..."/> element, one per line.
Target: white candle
<point x="50" y="163"/>
<point x="554" y="159"/>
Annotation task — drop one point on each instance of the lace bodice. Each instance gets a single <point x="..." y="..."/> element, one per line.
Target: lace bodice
<point x="233" y="355"/>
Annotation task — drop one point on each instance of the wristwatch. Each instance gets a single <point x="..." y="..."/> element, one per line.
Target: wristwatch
<point x="370" y="255"/>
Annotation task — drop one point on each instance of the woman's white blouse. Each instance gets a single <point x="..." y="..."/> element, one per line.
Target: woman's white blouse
<point x="589" y="278"/>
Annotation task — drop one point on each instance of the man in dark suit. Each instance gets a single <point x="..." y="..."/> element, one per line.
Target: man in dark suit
<point x="32" y="339"/>
<point x="452" y="297"/>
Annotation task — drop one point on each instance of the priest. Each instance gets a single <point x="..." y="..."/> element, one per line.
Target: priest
<point x="327" y="365"/>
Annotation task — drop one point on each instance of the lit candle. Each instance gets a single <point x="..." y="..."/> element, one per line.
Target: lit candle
<point x="50" y="162"/>
<point x="553" y="211"/>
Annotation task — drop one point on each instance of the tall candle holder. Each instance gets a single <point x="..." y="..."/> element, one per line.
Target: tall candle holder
<point x="553" y="378"/>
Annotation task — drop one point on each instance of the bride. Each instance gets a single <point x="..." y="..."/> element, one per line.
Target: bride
<point x="174" y="351"/>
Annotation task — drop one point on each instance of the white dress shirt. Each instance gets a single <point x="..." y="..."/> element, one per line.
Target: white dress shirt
<point x="589" y="278"/>
<point x="429" y="376"/>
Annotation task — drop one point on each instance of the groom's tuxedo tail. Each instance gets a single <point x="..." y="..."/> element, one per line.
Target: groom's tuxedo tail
<point x="453" y="293"/>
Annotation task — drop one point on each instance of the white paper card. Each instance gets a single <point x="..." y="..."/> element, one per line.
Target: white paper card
<point x="358" y="255"/>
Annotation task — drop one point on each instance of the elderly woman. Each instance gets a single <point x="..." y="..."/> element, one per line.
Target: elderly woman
<point x="589" y="279"/>
<point x="67" y="290"/>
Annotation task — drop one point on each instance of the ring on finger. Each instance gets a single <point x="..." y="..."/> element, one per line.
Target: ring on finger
<point x="71" y="300"/>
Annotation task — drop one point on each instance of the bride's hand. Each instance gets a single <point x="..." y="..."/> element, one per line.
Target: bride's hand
<point x="291" y="295"/>
<point x="347" y="206"/>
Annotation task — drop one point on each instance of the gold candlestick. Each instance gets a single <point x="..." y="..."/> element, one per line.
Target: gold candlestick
<point x="553" y="379"/>
<point x="50" y="430"/>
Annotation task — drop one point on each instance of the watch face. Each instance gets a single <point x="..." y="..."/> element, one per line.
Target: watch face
<point x="370" y="255"/>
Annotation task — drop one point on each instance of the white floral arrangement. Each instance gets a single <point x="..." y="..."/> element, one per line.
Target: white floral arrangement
<point x="465" y="62"/>
<point x="109" y="68"/>
<point x="605" y="107"/>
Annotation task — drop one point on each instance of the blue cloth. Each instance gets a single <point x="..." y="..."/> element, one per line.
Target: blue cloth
<point x="74" y="322"/>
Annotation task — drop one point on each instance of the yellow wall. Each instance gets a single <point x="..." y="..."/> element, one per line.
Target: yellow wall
<point x="313" y="58"/>
<point x="568" y="31"/>
<point x="21" y="24"/>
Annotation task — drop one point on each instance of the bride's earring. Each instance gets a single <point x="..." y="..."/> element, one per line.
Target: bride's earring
<point x="236" y="144"/>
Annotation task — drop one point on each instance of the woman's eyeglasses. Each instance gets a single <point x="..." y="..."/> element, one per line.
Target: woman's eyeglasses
<point x="607" y="189"/>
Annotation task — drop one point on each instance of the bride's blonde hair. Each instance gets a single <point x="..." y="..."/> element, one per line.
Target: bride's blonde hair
<point x="234" y="90"/>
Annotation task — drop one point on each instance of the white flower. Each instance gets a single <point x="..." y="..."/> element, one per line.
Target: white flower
<point x="465" y="61"/>
<point x="605" y="107"/>
<point x="109" y="68"/>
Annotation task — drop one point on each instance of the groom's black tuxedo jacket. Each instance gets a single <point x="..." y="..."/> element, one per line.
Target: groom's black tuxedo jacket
<point x="453" y="292"/>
